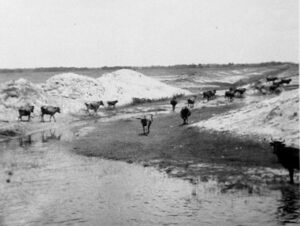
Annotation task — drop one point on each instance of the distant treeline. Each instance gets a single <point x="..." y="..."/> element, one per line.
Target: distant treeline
<point x="177" y="66"/>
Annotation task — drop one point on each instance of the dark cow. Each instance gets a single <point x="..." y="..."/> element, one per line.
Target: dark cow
<point x="25" y="111"/>
<point x="191" y="102"/>
<point x="112" y="103"/>
<point x="49" y="110"/>
<point x="276" y="83"/>
<point x="185" y="113"/>
<point x="94" y="105"/>
<point x="285" y="81"/>
<point x="146" y="124"/>
<point x="274" y="87"/>
<point x="229" y="94"/>
<point x="173" y="102"/>
<point x="287" y="156"/>
<point x="240" y="91"/>
<point x="209" y="94"/>
<point x="271" y="79"/>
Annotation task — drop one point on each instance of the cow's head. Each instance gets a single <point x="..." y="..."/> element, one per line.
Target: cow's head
<point x="31" y="108"/>
<point x="101" y="103"/>
<point x="277" y="145"/>
<point x="58" y="109"/>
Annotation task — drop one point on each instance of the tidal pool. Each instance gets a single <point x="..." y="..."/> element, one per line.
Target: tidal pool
<point x="43" y="183"/>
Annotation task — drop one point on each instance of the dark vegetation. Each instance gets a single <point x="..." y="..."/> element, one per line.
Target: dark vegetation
<point x="137" y="101"/>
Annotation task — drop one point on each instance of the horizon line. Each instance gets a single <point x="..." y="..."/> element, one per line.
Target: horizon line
<point x="149" y="66"/>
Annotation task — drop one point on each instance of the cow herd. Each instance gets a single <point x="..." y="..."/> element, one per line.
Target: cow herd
<point x="28" y="109"/>
<point x="275" y="85"/>
<point x="206" y="95"/>
<point x="287" y="156"/>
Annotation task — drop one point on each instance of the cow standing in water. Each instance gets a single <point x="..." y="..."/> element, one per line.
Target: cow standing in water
<point x="287" y="156"/>
<point x="25" y="111"/>
<point x="185" y="113"/>
<point x="146" y="124"/>
<point x="173" y="102"/>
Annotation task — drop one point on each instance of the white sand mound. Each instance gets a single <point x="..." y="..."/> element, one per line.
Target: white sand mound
<point x="14" y="94"/>
<point x="70" y="91"/>
<point x="74" y="86"/>
<point x="124" y="84"/>
<point x="73" y="90"/>
<point x="276" y="118"/>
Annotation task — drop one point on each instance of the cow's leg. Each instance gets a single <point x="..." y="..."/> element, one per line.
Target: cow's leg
<point x="54" y="118"/>
<point x="20" y="117"/>
<point x="144" y="132"/>
<point x="291" y="174"/>
<point x="29" y="118"/>
<point x="42" y="118"/>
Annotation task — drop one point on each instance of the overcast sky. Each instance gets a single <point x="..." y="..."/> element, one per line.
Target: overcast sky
<point x="94" y="33"/>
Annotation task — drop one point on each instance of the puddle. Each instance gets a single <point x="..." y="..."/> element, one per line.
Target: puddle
<point x="43" y="183"/>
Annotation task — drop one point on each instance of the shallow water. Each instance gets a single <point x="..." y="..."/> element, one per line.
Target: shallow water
<point x="44" y="183"/>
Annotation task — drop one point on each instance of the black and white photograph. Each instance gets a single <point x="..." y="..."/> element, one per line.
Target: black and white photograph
<point x="149" y="112"/>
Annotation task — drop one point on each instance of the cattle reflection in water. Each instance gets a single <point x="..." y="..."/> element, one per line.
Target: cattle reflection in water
<point x="50" y="135"/>
<point x="289" y="211"/>
<point x="25" y="141"/>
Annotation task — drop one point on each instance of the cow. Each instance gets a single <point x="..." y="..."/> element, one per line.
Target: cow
<point x="209" y="94"/>
<point x="173" y="102"/>
<point x="240" y="91"/>
<point x="287" y="156"/>
<point x="271" y="79"/>
<point x="185" y="113"/>
<point x="112" y="103"/>
<point x="94" y="105"/>
<point x="285" y="81"/>
<point x="49" y="110"/>
<point x="274" y="87"/>
<point x="146" y="124"/>
<point x="229" y="94"/>
<point x="191" y="102"/>
<point x="25" y="111"/>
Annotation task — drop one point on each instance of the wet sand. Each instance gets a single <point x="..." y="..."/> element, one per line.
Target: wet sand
<point x="181" y="150"/>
